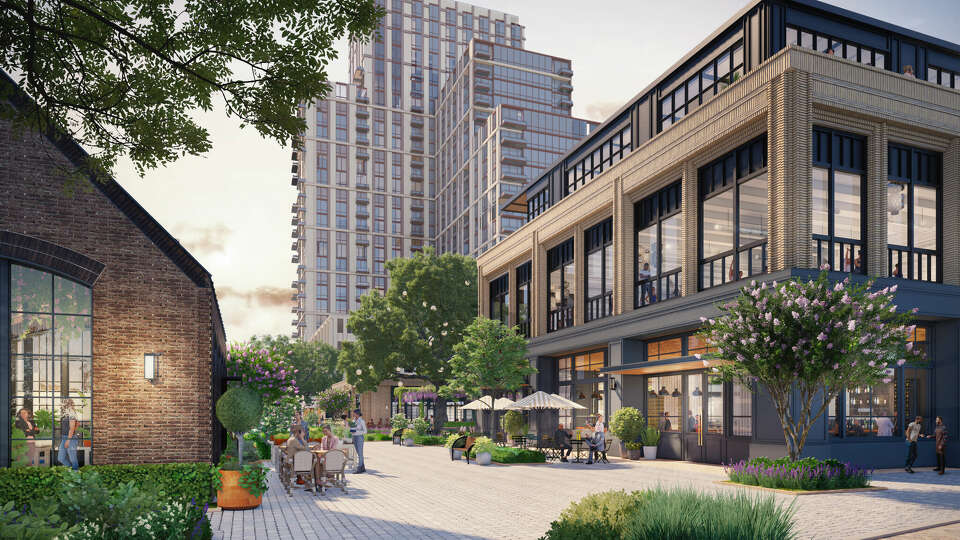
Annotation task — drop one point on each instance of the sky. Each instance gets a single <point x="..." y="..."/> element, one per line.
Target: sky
<point x="231" y="206"/>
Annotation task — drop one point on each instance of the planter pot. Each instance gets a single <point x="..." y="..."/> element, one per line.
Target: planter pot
<point x="408" y="442"/>
<point x="649" y="452"/>
<point x="457" y="454"/>
<point x="231" y="496"/>
<point x="484" y="458"/>
<point x="86" y="443"/>
<point x="633" y="454"/>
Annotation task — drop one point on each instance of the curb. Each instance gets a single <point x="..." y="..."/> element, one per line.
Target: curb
<point x="799" y="493"/>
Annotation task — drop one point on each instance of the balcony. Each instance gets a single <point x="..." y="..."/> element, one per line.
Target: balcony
<point x="513" y="173"/>
<point x="564" y="70"/>
<point x="362" y="184"/>
<point x="362" y="212"/>
<point x="362" y="240"/>
<point x="362" y="126"/>
<point x="482" y="100"/>
<point x="295" y="259"/>
<point x="362" y="96"/>
<point x="564" y="86"/>
<point x="512" y="156"/>
<point x="564" y="102"/>
<point x="416" y="120"/>
<point x="482" y="86"/>
<point x="363" y="112"/>
<point x="362" y="138"/>
<point x="416" y="105"/>
<point x="296" y="233"/>
<point x="481" y="50"/>
<point x="364" y="200"/>
<point x="295" y="156"/>
<point x="481" y="69"/>
<point x="512" y="118"/>
<point x="295" y="208"/>
<point x="416" y="148"/>
<point x="294" y="247"/>
<point x="295" y="220"/>
<point x="512" y="138"/>
<point x="416" y="173"/>
<point x="363" y="153"/>
<point x="294" y="168"/>
<point x="295" y="180"/>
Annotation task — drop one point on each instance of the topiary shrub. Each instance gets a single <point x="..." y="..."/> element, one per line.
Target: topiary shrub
<point x="513" y="423"/>
<point x="420" y="425"/>
<point x="627" y="424"/>
<point x="239" y="410"/>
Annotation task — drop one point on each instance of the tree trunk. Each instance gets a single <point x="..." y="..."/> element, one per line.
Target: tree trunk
<point x="439" y="413"/>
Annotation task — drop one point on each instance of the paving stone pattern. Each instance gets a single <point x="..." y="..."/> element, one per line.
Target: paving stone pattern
<point x="419" y="493"/>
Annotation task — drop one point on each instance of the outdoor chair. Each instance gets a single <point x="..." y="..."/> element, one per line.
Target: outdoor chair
<point x="547" y="446"/>
<point x="398" y="436"/>
<point x="350" y="452"/>
<point x="500" y="439"/>
<point x="302" y="464"/>
<point x="334" y="463"/>
<point x="463" y="443"/>
<point x="603" y="452"/>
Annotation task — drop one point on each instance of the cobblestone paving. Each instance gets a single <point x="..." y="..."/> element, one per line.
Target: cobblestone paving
<point x="420" y="493"/>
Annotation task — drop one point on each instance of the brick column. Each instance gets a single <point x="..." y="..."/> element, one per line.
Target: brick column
<point x="876" y="239"/>
<point x="789" y="132"/>
<point x="538" y="287"/>
<point x="689" y="208"/>
<point x="623" y="250"/>
<point x="483" y="292"/>
<point x="951" y="216"/>
<point x="579" y="270"/>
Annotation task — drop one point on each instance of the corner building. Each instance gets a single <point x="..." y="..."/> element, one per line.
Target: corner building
<point x="795" y="135"/>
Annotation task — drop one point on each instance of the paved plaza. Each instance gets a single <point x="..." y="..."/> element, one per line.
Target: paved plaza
<point x="419" y="493"/>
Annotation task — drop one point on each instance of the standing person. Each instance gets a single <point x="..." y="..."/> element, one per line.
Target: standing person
<point x="303" y="424"/>
<point x="599" y="436"/>
<point x="884" y="427"/>
<point x="68" y="435"/>
<point x="359" y="431"/>
<point x="913" y="433"/>
<point x="664" y="422"/>
<point x="30" y="430"/>
<point x="940" y="435"/>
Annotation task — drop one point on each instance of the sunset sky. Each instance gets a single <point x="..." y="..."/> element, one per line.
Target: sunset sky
<point x="231" y="207"/>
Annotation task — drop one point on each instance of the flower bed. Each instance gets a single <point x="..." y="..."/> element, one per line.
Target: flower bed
<point x="673" y="514"/>
<point x="517" y="455"/>
<point x="808" y="474"/>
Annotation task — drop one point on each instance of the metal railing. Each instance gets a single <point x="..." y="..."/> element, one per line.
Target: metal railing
<point x="599" y="307"/>
<point x="559" y="318"/>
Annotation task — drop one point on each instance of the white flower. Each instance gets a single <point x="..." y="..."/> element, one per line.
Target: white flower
<point x="404" y="293"/>
<point x="445" y="323"/>
<point x="698" y="355"/>
<point x="433" y="308"/>
<point x="443" y="333"/>
<point x="359" y="371"/>
<point x="467" y="283"/>
<point x="705" y="363"/>
<point x="424" y="304"/>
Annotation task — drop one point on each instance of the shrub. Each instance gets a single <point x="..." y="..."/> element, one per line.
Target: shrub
<point x="316" y="433"/>
<point x="259" y="443"/>
<point x="268" y="372"/>
<point x="239" y="409"/>
<point x="650" y="436"/>
<point x="377" y="437"/>
<point x="627" y="424"/>
<point x="250" y="452"/>
<point x="409" y="434"/>
<point x="420" y="425"/>
<point x="428" y="440"/>
<point x="399" y="421"/>
<point x="458" y="424"/>
<point x="674" y="514"/>
<point x="517" y="455"/>
<point x="169" y="481"/>
<point x="513" y="423"/>
<point x="802" y="474"/>
<point x="334" y="402"/>
<point x="340" y="431"/>
<point x="312" y="418"/>
<point x="483" y="444"/>
<point x="452" y="438"/>
<point x="39" y="521"/>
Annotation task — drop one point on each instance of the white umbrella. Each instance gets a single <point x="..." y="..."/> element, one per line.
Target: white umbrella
<point x="478" y="404"/>
<point x="542" y="400"/>
<point x="569" y="404"/>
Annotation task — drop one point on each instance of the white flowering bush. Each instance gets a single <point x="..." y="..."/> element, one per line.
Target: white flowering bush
<point x="811" y="340"/>
<point x="176" y="520"/>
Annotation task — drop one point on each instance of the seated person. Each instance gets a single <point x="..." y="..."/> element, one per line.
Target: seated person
<point x="329" y="441"/>
<point x="296" y="442"/>
<point x="562" y="440"/>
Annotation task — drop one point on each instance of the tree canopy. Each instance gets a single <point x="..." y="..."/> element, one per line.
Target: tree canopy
<point x="314" y="363"/>
<point x="413" y="328"/>
<point x="809" y="340"/>
<point x="124" y="77"/>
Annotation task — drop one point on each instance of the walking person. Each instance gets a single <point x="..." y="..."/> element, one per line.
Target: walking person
<point x="67" y="454"/>
<point x="914" y="432"/>
<point x="940" y="434"/>
<point x="359" y="431"/>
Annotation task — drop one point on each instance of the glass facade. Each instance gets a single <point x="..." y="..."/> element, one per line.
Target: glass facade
<point x="561" y="274"/>
<point x="839" y="174"/>
<point x="500" y="299"/>
<point x="658" y="246"/>
<point x="599" y="269"/>
<point x="913" y="213"/>
<point x="582" y="382"/>
<point x="51" y="372"/>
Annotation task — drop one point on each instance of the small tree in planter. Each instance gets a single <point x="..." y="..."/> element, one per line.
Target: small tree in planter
<point x="627" y="425"/>
<point x="807" y="341"/>
<point x="239" y="486"/>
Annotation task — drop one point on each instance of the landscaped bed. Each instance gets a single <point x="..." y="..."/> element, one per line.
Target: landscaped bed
<point x="808" y="474"/>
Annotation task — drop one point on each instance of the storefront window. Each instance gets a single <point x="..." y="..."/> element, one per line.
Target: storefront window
<point x="658" y="227"/>
<point x="664" y="349"/>
<point x="581" y="381"/>
<point x="912" y="213"/>
<point x="715" y="407"/>
<point x="665" y="403"/>
<point x="837" y="196"/>
<point x="742" y="410"/>
<point x="51" y="365"/>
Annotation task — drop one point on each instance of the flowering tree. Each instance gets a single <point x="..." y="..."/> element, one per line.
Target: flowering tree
<point x="811" y="338"/>
<point x="266" y="370"/>
<point x="334" y="402"/>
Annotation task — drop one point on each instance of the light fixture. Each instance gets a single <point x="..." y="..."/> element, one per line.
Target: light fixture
<point x="151" y="366"/>
<point x="696" y="392"/>
<point x="613" y="382"/>
<point x="663" y="391"/>
<point x="676" y="392"/>
<point x="581" y="396"/>
<point x="653" y="393"/>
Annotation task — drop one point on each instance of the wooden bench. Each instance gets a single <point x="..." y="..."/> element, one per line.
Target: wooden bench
<point x="398" y="436"/>
<point x="464" y="443"/>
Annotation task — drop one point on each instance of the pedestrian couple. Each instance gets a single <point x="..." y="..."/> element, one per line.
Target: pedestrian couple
<point x="915" y="432"/>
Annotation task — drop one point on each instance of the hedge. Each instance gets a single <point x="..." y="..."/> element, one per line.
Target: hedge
<point x="176" y="481"/>
<point x="517" y="455"/>
<point x="377" y="437"/>
<point x="428" y="440"/>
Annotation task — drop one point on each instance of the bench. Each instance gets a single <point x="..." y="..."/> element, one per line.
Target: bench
<point x="464" y="443"/>
<point x="398" y="436"/>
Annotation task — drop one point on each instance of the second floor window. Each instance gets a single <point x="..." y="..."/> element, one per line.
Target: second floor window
<point x="523" y="299"/>
<point x="500" y="299"/>
<point x="733" y="223"/>
<point x="839" y="171"/>
<point x="658" y="225"/>
<point x="560" y="279"/>
<point x="913" y="225"/>
<point x="599" y="269"/>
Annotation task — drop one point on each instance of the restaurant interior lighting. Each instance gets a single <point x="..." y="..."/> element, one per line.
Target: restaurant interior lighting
<point x="676" y="392"/>
<point x="151" y="366"/>
<point x="663" y="391"/>
<point x="697" y="392"/>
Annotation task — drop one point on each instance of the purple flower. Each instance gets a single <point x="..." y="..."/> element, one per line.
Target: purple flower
<point x="851" y="325"/>
<point x="821" y="336"/>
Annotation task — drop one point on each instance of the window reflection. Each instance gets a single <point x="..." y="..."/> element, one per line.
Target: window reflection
<point x="665" y="403"/>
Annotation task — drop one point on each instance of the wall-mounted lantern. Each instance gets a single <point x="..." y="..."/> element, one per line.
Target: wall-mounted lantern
<point x="151" y="366"/>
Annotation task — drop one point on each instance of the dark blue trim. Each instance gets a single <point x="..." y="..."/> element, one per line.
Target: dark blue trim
<point x="5" y="361"/>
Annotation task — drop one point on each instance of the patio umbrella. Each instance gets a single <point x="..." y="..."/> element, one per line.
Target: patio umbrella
<point x="543" y="400"/>
<point x="478" y="404"/>
<point x="483" y="404"/>
<point x="569" y="404"/>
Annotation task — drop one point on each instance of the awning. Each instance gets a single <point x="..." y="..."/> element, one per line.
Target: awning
<point x="682" y="363"/>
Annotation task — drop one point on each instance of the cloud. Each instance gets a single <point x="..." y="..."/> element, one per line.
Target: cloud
<point x="261" y="296"/>
<point x="203" y="239"/>
<point x="601" y="110"/>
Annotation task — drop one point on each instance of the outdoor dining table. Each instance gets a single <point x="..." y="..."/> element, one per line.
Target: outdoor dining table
<point x="318" y="470"/>
<point x="577" y="448"/>
<point x="520" y="441"/>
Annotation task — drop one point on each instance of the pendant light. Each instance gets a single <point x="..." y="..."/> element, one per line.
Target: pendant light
<point x="581" y="396"/>
<point x="676" y="392"/>
<point x="653" y="393"/>
<point x="663" y="391"/>
<point x="697" y="392"/>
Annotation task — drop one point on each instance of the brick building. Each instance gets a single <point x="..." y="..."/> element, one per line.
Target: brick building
<point x="797" y="134"/>
<point x="90" y="285"/>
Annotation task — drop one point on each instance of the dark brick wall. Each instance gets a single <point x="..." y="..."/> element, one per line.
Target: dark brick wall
<point x="142" y="303"/>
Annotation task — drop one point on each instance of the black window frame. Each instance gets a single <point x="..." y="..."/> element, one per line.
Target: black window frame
<point x="833" y="42"/>
<point x="731" y="170"/>
<point x="524" y="284"/>
<point x="655" y="209"/>
<point x="835" y="157"/>
<point x="558" y="258"/>
<point x="924" y="168"/>
<point x="940" y="74"/>
<point x="500" y="296"/>
<point x="598" y="238"/>
<point x="607" y="153"/>
<point x="705" y="92"/>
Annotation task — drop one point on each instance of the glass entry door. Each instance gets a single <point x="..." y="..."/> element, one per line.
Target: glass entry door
<point x="703" y="421"/>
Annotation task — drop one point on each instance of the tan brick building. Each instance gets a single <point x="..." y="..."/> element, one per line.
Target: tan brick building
<point x="796" y="135"/>
<point x="90" y="285"/>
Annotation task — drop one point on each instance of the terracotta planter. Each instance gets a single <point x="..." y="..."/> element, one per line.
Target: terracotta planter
<point x="279" y="441"/>
<point x="231" y="496"/>
<point x="86" y="443"/>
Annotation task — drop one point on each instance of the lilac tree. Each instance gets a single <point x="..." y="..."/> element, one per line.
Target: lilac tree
<point x="267" y="370"/>
<point x="809" y="339"/>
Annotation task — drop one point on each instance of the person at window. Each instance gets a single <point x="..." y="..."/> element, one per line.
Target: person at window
<point x="834" y="429"/>
<point x="359" y="432"/>
<point x="562" y="438"/>
<point x="645" y="271"/>
<point x="664" y="424"/>
<point x="914" y="433"/>
<point x="653" y="294"/>
<point x="848" y="260"/>
<point x="830" y="52"/>
<point x="908" y="70"/>
<point x="30" y="430"/>
<point x="940" y="435"/>
<point x="884" y="427"/>
<point x="691" y="422"/>
<point x="896" y="270"/>
<point x="858" y="262"/>
<point x="67" y="454"/>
